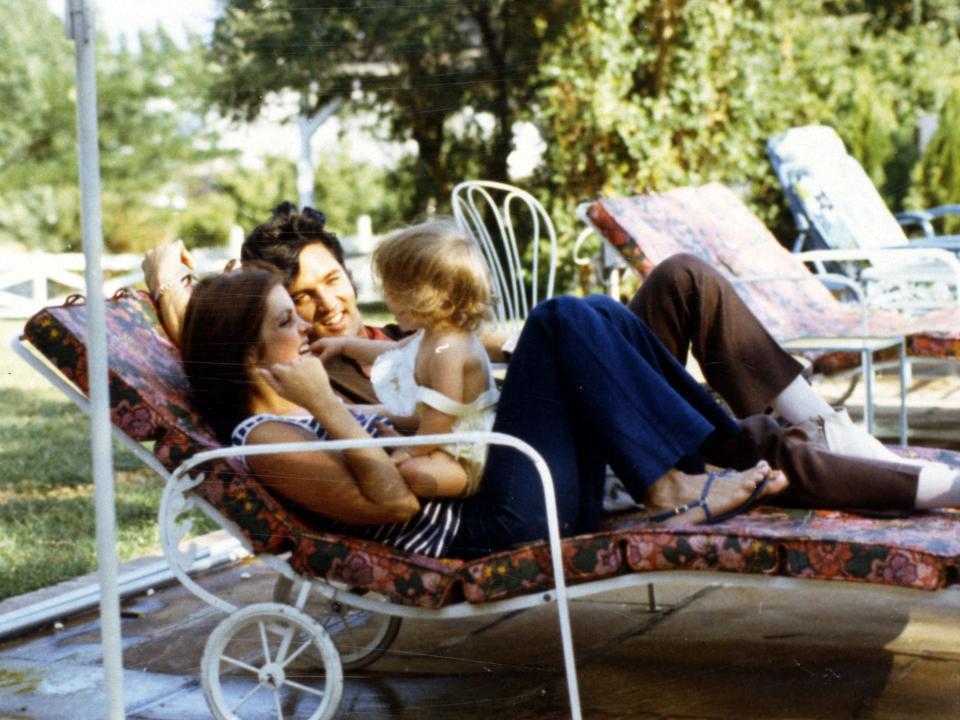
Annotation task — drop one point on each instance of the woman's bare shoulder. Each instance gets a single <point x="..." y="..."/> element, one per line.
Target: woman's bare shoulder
<point x="278" y="431"/>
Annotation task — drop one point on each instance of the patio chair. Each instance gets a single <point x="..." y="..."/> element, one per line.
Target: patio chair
<point x="266" y="657"/>
<point x="509" y="225"/>
<point x="790" y="300"/>
<point x="518" y="242"/>
<point x="836" y="206"/>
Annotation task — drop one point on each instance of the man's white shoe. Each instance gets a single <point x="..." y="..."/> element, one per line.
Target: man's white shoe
<point x="845" y="438"/>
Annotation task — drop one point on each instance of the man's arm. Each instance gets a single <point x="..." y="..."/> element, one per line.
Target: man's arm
<point x="162" y="271"/>
<point x="493" y="340"/>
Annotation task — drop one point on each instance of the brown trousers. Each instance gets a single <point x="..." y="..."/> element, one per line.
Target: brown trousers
<point x="689" y="305"/>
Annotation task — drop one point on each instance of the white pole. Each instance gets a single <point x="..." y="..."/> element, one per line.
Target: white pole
<point x="81" y="29"/>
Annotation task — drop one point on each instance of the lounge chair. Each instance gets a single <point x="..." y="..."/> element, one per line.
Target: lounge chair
<point x="837" y="207"/>
<point x="713" y="223"/>
<point x="149" y="404"/>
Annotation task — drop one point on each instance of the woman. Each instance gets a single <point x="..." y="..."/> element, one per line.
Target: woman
<point x="245" y="352"/>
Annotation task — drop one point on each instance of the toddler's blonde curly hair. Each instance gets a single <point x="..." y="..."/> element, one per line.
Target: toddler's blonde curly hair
<point x="437" y="273"/>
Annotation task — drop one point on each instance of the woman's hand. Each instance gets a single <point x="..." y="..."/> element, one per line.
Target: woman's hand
<point x="303" y="381"/>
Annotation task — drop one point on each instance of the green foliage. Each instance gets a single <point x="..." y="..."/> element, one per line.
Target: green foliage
<point x="254" y="192"/>
<point x="151" y="135"/>
<point x="644" y="95"/>
<point x="416" y="65"/>
<point x="206" y="221"/>
<point x="346" y="189"/>
<point x="937" y="175"/>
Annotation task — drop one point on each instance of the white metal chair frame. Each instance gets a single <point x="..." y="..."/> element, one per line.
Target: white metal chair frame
<point x="472" y="201"/>
<point x="816" y="154"/>
<point x="178" y="499"/>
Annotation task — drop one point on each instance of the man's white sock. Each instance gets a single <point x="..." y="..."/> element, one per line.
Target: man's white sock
<point x="938" y="486"/>
<point x="799" y="402"/>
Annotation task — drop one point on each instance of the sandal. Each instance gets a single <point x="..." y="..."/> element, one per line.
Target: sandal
<point x="701" y="502"/>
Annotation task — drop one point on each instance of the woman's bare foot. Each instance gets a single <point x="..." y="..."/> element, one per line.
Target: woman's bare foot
<point x="682" y="494"/>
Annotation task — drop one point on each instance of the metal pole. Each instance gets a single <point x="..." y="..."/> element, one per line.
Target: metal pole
<point x="81" y="29"/>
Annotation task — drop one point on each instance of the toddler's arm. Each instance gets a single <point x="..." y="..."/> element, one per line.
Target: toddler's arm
<point x="359" y="349"/>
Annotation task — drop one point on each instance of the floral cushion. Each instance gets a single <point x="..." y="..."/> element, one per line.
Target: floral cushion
<point x="919" y="551"/>
<point x="529" y="569"/>
<point x="714" y="224"/>
<point x="402" y="577"/>
<point x="149" y="401"/>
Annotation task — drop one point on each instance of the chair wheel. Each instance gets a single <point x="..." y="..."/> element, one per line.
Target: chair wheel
<point x="361" y="636"/>
<point x="254" y="666"/>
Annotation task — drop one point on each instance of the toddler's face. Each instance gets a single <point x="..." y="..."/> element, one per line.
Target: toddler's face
<point x="401" y="311"/>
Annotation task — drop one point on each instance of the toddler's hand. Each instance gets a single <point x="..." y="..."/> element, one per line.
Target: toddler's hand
<point x="328" y="347"/>
<point x="386" y="429"/>
<point x="400" y="456"/>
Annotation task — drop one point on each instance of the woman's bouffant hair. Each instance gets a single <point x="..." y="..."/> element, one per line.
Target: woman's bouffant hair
<point x="221" y="332"/>
<point x="437" y="273"/>
<point x="280" y="240"/>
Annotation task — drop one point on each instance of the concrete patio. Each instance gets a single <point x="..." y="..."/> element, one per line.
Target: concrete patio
<point x="708" y="652"/>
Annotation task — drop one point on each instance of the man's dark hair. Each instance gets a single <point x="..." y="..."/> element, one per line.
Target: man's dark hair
<point x="280" y="240"/>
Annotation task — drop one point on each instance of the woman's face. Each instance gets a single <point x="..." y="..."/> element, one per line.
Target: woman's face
<point x="283" y="335"/>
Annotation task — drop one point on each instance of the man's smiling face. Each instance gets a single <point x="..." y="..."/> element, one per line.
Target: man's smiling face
<point x="324" y="296"/>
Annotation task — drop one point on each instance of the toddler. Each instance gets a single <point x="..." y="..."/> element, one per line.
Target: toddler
<point x="435" y="283"/>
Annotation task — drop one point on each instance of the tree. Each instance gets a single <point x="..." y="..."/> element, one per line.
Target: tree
<point x="416" y="66"/>
<point x="937" y="176"/>
<point x="642" y="95"/>
<point x="151" y="133"/>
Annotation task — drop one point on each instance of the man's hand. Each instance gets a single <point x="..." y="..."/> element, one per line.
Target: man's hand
<point x="163" y="265"/>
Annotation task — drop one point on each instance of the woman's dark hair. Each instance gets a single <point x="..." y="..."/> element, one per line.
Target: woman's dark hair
<point x="280" y="240"/>
<point x="221" y="332"/>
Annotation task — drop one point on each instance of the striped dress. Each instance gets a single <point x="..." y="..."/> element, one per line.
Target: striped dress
<point x="429" y="532"/>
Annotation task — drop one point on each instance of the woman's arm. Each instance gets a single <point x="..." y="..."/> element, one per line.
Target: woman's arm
<point x="362" y="484"/>
<point x="326" y="482"/>
<point x="404" y="424"/>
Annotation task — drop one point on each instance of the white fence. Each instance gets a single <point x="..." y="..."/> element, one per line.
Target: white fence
<point x="31" y="281"/>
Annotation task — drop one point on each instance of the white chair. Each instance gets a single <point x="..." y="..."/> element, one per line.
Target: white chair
<point x="837" y="207"/>
<point x="518" y="242"/>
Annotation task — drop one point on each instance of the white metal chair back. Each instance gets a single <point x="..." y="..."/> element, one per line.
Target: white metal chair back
<point x="489" y="213"/>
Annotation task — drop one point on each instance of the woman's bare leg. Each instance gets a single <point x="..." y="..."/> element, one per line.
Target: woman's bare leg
<point x="727" y="492"/>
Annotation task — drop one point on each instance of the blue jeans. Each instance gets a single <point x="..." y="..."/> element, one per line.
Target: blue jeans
<point x="588" y="385"/>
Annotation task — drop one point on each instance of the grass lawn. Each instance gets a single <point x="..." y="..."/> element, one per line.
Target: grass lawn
<point x="47" y="526"/>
